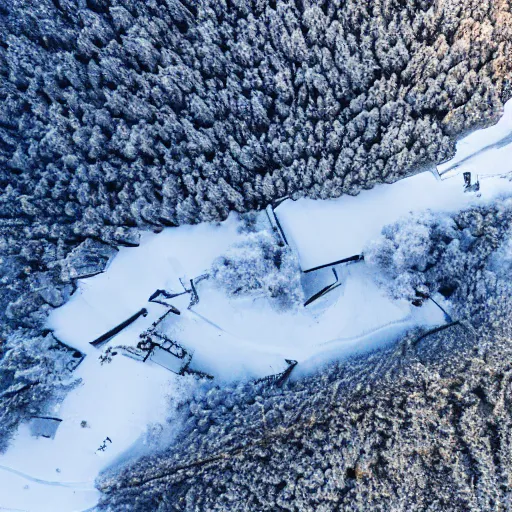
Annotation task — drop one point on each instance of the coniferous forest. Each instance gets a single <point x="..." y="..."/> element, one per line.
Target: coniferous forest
<point x="119" y="116"/>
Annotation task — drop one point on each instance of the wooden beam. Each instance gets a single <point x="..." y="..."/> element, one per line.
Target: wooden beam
<point x="118" y="328"/>
<point x="357" y="257"/>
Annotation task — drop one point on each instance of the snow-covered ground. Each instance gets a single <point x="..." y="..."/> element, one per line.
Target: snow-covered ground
<point x="230" y="338"/>
<point x="117" y="400"/>
<point x="343" y="227"/>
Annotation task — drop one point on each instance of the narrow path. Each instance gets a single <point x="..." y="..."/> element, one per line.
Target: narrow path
<point x="408" y="320"/>
<point x="82" y="486"/>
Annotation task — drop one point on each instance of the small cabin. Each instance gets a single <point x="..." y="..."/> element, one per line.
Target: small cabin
<point x="44" y="426"/>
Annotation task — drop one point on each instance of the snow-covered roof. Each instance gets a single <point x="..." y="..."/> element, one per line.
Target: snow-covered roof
<point x="168" y="360"/>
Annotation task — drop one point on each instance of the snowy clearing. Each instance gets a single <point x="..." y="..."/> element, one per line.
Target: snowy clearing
<point x="230" y="338"/>
<point x="326" y="231"/>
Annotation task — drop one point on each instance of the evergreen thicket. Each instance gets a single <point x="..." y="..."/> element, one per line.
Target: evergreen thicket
<point x="122" y="113"/>
<point x="431" y="253"/>
<point x="260" y="265"/>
